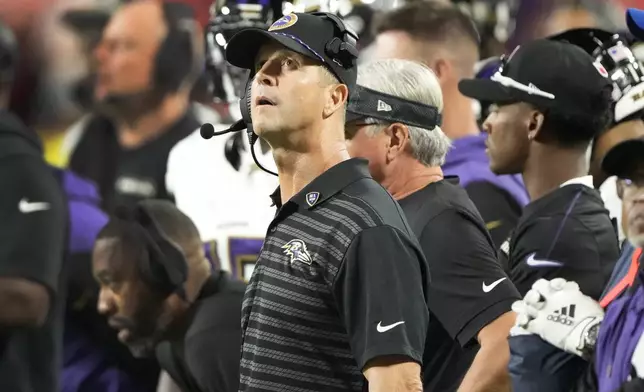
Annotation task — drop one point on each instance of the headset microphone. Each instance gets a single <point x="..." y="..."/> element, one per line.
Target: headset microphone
<point x="207" y="130"/>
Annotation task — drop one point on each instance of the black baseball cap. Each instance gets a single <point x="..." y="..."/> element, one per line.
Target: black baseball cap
<point x="548" y="74"/>
<point x="367" y="103"/>
<point x="306" y="34"/>
<point x="624" y="157"/>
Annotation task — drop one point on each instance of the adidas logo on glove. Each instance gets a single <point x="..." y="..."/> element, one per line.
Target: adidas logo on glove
<point x="564" y="316"/>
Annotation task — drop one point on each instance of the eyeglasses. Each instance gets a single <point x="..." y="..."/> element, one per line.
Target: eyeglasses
<point x="352" y="128"/>
<point x="629" y="187"/>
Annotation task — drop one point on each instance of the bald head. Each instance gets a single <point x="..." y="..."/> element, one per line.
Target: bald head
<point x="143" y="16"/>
<point x="127" y="52"/>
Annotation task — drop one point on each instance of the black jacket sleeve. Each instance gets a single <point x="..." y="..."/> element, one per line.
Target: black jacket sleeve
<point x="32" y="222"/>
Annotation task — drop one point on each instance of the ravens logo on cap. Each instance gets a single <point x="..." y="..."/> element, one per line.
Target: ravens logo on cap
<point x="284" y="22"/>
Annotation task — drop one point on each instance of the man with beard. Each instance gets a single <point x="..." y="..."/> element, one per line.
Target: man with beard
<point x="147" y="62"/>
<point x="158" y="291"/>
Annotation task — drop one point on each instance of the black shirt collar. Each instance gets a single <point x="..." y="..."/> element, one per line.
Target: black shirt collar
<point x="327" y="184"/>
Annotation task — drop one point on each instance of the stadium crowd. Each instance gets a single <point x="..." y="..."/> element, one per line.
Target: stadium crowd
<point x="322" y="196"/>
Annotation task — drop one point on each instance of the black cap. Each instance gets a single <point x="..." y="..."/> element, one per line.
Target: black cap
<point x="624" y="157"/>
<point x="547" y="74"/>
<point x="367" y="103"/>
<point x="307" y="34"/>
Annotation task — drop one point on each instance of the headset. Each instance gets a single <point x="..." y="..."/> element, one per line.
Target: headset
<point x="8" y="54"/>
<point x="177" y="59"/>
<point x="343" y="51"/>
<point x="163" y="265"/>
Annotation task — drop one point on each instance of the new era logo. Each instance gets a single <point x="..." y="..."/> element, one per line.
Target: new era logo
<point x="383" y="106"/>
<point x="564" y="315"/>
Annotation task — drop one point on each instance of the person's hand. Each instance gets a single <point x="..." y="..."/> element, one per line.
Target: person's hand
<point x="560" y="314"/>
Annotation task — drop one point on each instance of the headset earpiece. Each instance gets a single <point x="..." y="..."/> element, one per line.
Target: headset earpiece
<point x="343" y="51"/>
<point x="163" y="264"/>
<point x="177" y="59"/>
<point x="245" y="100"/>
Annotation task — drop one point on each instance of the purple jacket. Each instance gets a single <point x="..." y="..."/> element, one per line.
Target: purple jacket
<point x="467" y="160"/>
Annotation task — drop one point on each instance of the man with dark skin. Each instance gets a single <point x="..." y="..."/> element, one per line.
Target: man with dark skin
<point x="158" y="291"/>
<point x="544" y="118"/>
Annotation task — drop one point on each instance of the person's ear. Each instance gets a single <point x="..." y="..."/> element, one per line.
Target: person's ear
<point x="443" y="70"/>
<point x="535" y="124"/>
<point x="337" y="96"/>
<point x="398" y="140"/>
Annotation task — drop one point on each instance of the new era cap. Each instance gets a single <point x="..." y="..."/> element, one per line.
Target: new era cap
<point x="303" y="33"/>
<point x="367" y="103"/>
<point x="548" y="74"/>
<point x="624" y="157"/>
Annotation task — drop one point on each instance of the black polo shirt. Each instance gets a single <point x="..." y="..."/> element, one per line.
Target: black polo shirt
<point x="469" y="289"/>
<point x="33" y="227"/>
<point x="127" y="176"/>
<point x="204" y="356"/>
<point x="568" y="234"/>
<point x="340" y="280"/>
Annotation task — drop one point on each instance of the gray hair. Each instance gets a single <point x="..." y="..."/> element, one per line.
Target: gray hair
<point x="415" y="82"/>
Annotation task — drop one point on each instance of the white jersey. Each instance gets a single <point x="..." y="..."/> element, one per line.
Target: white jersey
<point x="229" y="207"/>
<point x="613" y="203"/>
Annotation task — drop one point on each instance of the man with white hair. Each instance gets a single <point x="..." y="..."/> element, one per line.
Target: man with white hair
<point x="393" y="120"/>
<point x="441" y="36"/>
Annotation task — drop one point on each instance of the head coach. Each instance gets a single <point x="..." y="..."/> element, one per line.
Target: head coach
<point x="32" y="234"/>
<point x="546" y="113"/>
<point x="405" y="147"/>
<point x="339" y="291"/>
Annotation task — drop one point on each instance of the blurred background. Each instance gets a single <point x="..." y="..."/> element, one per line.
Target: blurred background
<point x="56" y="39"/>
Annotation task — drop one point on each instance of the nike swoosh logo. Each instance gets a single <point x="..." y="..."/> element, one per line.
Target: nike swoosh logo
<point x="386" y="328"/>
<point x="532" y="262"/>
<point x="26" y="207"/>
<point x="491" y="286"/>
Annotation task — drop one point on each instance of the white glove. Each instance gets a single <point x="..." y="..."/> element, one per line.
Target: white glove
<point x="559" y="313"/>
